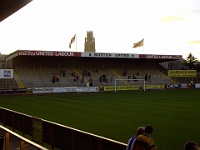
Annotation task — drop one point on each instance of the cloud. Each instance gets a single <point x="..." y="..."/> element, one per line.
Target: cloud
<point x="194" y="42"/>
<point x="171" y="18"/>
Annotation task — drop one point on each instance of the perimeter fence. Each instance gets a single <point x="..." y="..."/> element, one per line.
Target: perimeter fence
<point x="53" y="135"/>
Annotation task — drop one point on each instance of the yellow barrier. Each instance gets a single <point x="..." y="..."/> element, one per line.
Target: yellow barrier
<point x="182" y="73"/>
<point x="112" y="88"/>
<point x="133" y="87"/>
<point x="17" y="79"/>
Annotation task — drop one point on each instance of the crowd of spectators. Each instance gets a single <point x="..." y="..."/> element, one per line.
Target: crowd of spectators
<point x="102" y="78"/>
<point x="56" y="77"/>
<point x="143" y="140"/>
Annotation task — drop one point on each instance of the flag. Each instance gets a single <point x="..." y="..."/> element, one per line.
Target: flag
<point x="72" y="40"/>
<point x="138" y="44"/>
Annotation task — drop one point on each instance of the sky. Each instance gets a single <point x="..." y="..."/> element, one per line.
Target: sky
<point x="169" y="27"/>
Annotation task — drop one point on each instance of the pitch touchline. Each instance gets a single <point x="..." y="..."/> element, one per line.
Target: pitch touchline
<point x="61" y="99"/>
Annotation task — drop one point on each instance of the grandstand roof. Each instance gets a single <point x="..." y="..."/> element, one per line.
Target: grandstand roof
<point x="157" y="58"/>
<point x="8" y="7"/>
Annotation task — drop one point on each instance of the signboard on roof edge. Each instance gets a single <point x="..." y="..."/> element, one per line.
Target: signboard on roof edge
<point x="48" y="53"/>
<point x="109" y="55"/>
<point x="95" y="54"/>
<point x="150" y="56"/>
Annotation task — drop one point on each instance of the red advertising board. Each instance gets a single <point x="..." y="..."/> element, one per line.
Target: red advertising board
<point x="150" y="56"/>
<point x="48" y="53"/>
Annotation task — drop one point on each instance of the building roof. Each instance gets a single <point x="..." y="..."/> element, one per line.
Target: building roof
<point x="8" y="7"/>
<point x="39" y="53"/>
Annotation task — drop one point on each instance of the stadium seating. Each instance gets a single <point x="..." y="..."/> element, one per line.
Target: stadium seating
<point x="42" y="76"/>
<point x="8" y="83"/>
<point x="40" y="71"/>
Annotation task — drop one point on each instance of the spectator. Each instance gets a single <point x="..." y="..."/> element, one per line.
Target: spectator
<point x="88" y="74"/>
<point x="140" y="130"/>
<point x="95" y="70"/>
<point x="91" y="84"/>
<point x="191" y="146"/>
<point x="149" y="78"/>
<point x="73" y="75"/>
<point x="63" y="73"/>
<point x="82" y="83"/>
<point x="125" y="72"/>
<point x="111" y="79"/>
<point x="134" y="77"/>
<point x="145" y="141"/>
<point x="106" y="80"/>
<point x="77" y="78"/>
<point x="100" y="79"/>
<point x="138" y="73"/>
<point x="146" y="76"/>
<point x="53" y="79"/>
<point x="58" y="77"/>
<point x="90" y="81"/>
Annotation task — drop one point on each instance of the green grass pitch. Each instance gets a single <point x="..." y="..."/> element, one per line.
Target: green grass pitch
<point x="174" y="114"/>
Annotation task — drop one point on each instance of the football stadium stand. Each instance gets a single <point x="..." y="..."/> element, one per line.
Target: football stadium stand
<point x="68" y="69"/>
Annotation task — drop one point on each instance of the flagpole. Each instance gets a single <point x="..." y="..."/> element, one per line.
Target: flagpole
<point x="76" y="42"/>
<point x="143" y="49"/>
<point x="143" y="45"/>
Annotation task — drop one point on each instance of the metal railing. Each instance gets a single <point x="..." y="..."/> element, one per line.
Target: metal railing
<point x="11" y="140"/>
<point x="56" y="136"/>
